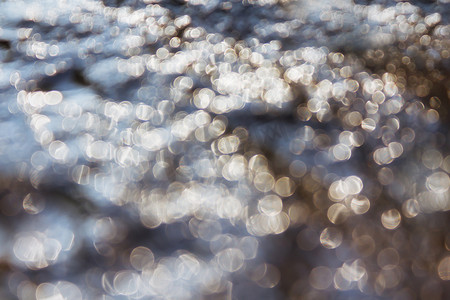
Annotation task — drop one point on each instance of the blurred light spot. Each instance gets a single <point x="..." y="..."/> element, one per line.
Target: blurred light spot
<point x="68" y="290"/>
<point x="264" y="181"/>
<point x="36" y="250"/>
<point x="209" y="229"/>
<point x="320" y="278"/>
<point x="47" y="291"/>
<point x="338" y="190"/>
<point x="155" y="139"/>
<point x="391" y="276"/>
<point x="337" y="213"/>
<point x="353" y="271"/>
<point x="270" y="205"/>
<point x="340" y="282"/>
<point x="297" y="168"/>
<point x="443" y="268"/>
<point x="265" y="275"/>
<point x="26" y="290"/>
<point x="284" y="187"/>
<point x="385" y="176"/>
<point x="80" y="174"/>
<point x="382" y="156"/>
<point x="365" y="245"/>
<point x="342" y="152"/>
<point x="432" y="19"/>
<point x="368" y="124"/>
<point x="308" y="239"/>
<point x="395" y="149"/>
<point x="298" y="213"/>
<point x="446" y="164"/>
<point x="360" y="204"/>
<point x="126" y="283"/>
<point x="388" y="258"/>
<point x="39" y="160"/>
<point x="410" y="208"/>
<point x="33" y="204"/>
<point x="59" y="151"/>
<point x="249" y="247"/>
<point x="432" y="159"/>
<point x="228" y="144"/>
<point x="354" y="185"/>
<point x="438" y="182"/>
<point x="230" y="259"/>
<point x="141" y="257"/>
<point x="53" y="98"/>
<point x="144" y="112"/>
<point x="391" y="219"/>
<point x="331" y="237"/>
<point x="105" y="229"/>
<point x="236" y="168"/>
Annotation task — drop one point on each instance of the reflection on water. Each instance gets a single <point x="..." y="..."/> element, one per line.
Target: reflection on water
<point x="224" y="149"/>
